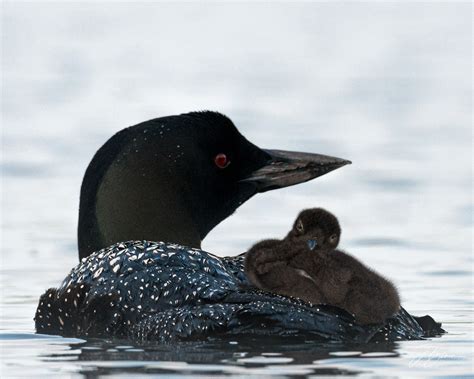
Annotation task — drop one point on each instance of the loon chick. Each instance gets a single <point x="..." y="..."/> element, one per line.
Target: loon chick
<point x="266" y="263"/>
<point x="345" y="282"/>
<point x="305" y="265"/>
<point x="173" y="179"/>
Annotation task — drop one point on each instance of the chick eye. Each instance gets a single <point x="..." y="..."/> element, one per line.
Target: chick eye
<point x="333" y="238"/>
<point x="299" y="226"/>
<point x="221" y="160"/>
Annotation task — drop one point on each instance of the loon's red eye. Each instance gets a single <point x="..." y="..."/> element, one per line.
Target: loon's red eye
<point x="221" y="160"/>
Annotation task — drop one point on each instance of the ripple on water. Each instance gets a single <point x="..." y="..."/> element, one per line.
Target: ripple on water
<point x="12" y="336"/>
<point x="345" y="353"/>
<point x="265" y="360"/>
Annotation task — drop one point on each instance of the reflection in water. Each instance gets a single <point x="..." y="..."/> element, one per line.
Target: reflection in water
<point x="219" y="356"/>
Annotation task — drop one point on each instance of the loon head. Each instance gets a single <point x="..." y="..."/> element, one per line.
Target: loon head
<point x="175" y="178"/>
<point x="316" y="227"/>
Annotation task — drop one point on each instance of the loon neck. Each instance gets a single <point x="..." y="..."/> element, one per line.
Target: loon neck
<point x="142" y="210"/>
<point x="133" y="201"/>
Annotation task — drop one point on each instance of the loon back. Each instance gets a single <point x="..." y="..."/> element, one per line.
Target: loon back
<point x="166" y="292"/>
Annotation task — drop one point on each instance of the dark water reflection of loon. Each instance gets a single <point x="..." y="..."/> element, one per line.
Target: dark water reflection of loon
<point x="243" y="356"/>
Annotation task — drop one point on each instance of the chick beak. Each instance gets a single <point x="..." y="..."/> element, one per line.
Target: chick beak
<point x="312" y="244"/>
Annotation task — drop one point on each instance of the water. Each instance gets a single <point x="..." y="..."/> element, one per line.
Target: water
<point x="387" y="86"/>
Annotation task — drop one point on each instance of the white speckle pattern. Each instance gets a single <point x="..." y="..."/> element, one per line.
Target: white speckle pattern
<point x="160" y="291"/>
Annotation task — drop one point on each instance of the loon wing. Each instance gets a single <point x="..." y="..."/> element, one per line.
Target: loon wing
<point x="157" y="291"/>
<point x="257" y="317"/>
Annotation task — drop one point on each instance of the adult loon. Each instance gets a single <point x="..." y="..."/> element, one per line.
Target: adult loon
<point x="306" y="265"/>
<point x="174" y="179"/>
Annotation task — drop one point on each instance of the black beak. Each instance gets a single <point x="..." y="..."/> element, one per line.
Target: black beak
<point x="287" y="168"/>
